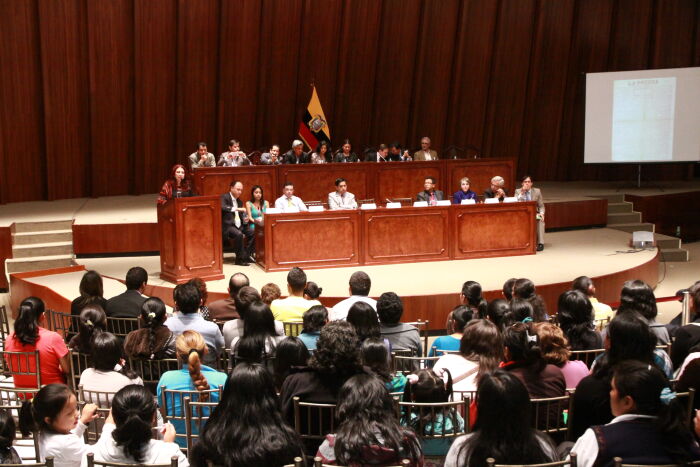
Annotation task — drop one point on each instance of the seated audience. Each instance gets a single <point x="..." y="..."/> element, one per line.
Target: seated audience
<point x="259" y="340"/>
<point x="525" y="289"/>
<point x="507" y="290"/>
<point x="688" y="375"/>
<point x="430" y="387"/>
<point x="687" y="336"/>
<point x="401" y="335"/>
<point x="236" y="328"/>
<point x="345" y="154"/>
<point x="54" y="414"/>
<point x="92" y="321"/>
<point x="368" y="432"/>
<point x="247" y="427"/>
<point x="288" y="202"/>
<point x="296" y="155"/>
<point x="225" y="309"/>
<point x="154" y="341"/>
<point x="269" y="293"/>
<point x="677" y="320"/>
<point x="8" y="433"/>
<point x="312" y="291"/>
<point x="128" y="304"/>
<point x="425" y="153"/>
<point x="497" y="189"/>
<point x="271" y="157"/>
<point x="503" y="429"/>
<point x="465" y="192"/>
<point x="429" y="193"/>
<point x="234" y="157"/>
<point x="291" y="354"/>
<point x="256" y="207"/>
<point x="314" y="319"/>
<point x="91" y="293"/>
<point x="341" y="198"/>
<point x="203" y="294"/>
<point x="637" y="296"/>
<point x="456" y="320"/>
<point x="375" y="356"/>
<point x="528" y="193"/>
<point x="293" y="307"/>
<point x="472" y="297"/>
<point x="646" y="429"/>
<point x="359" y="286"/>
<point x="29" y="336"/>
<point x="202" y="157"/>
<point x="364" y="319"/>
<point x="322" y="154"/>
<point x="187" y="301"/>
<point x="555" y="350"/>
<point x="108" y="372"/>
<point x="575" y="315"/>
<point x="480" y="352"/>
<point x="519" y="311"/>
<point x="127" y="433"/>
<point x="497" y="311"/>
<point x="177" y="186"/>
<point x="585" y="284"/>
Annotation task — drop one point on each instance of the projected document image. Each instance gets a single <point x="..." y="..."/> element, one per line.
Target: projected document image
<point x="642" y="120"/>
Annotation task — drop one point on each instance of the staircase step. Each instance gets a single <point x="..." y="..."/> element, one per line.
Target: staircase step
<point x="633" y="226"/>
<point x="618" y="208"/>
<point x="42" y="226"/>
<point x="47" y="236"/>
<point x="666" y="241"/>
<point x="674" y="255"/>
<point x="42" y="249"/>
<point x="612" y="198"/>
<point x="38" y="263"/>
<point x="624" y="218"/>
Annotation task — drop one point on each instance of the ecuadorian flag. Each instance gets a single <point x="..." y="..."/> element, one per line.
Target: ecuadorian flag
<point x="313" y="127"/>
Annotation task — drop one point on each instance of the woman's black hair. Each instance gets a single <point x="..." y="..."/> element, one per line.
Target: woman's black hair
<point x="153" y="315"/>
<point x="107" y="351"/>
<point x="262" y="195"/>
<point x="91" y="290"/>
<point x="375" y="356"/>
<point x="366" y="412"/>
<point x="508" y="288"/>
<point x="47" y="403"/>
<point x="8" y="433"/>
<point x="258" y="328"/>
<point x="471" y="290"/>
<point x="337" y="351"/>
<point x="364" y="319"/>
<point x="92" y="321"/>
<point x="27" y="322"/>
<point x="637" y="296"/>
<point x="496" y="311"/>
<point x="133" y="410"/>
<point x="644" y="384"/>
<point x="503" y="429"/>
<point x="459" y="317"/>
<point x="328" y="149"/>
<point x="312" y="290"/>
<point x="291" y="352"/>
<point x="247" y="426"/>
<point x="429" y="388"/>
<point x="575" y="314"/>
<point x="520" y="311"/>
<point x="630" y="339"/>
<point x="525" y="289"/>
<point x="523" y="344"/>
<point x="315" y="318"/>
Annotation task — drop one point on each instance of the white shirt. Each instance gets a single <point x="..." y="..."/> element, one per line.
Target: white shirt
<point x="586" y="448"/>
<point x="283" y="203"/>
<point x="105" y="381"/>
<point x="347" y="201"/>
<point x="67" y="450"/>
<point x="459" y="366"/>
<point x="340" y="310"/>
<point x="452" y="460"/>
<point x="233" y="329"/>
<point x="156" y="451"/>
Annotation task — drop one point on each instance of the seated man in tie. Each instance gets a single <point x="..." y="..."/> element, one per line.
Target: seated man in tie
<point x="288" y="202"/>
<point x="202" y="158"/>
<point x="341" y="198"/>
<point x="425" y="153"/>
<point x="272" y="157"/>
<point x="234" y="157"/>
<point x="396" y="154"/>
<point x="529" y="193"/>
<point x="430" y="194"/>
<point x="296" y="155"/>
<point x="234" y="223"/>
<point x="497" y="189"/>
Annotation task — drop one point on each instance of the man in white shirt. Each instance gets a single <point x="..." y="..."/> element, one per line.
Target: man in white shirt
<point x="341" y="198"/>
<point x="288" y="202"/>
<point x="360" y="283"/>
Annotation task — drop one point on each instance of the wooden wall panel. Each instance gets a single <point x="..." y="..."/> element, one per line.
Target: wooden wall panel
<point x="111" y="66"/>
<point x="91" y="239"/>
<point x="673" y="33"/>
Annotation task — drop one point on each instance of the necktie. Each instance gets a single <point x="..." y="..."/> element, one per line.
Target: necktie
<point x="237" y="217"/>
<point x="527" y="196"/>
<point x="237" y="221"/>
<point x="433" y="201"/>
<point x="289" y="202"/>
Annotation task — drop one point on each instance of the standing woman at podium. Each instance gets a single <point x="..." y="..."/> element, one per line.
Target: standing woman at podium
<point x="177" y="186"/>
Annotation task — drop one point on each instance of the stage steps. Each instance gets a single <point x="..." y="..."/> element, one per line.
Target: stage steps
<point x="41" y="245"/>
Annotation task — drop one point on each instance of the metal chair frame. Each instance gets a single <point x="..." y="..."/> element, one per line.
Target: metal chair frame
<point x="198" y="418"/>
<point x="91" y="462"/>
<point x="293" y="328"/>
<point x="20" y="364"/>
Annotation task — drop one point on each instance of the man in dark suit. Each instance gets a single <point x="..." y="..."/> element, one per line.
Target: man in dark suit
<point x="430" y="194"/>
<point x="296" y="155"/>
<point x="128" y="304"/>
<point x="224" y="310"/>
<point x="234" y="223"/>
<point x="396" y="154"/>
<point x="497" y="189"/>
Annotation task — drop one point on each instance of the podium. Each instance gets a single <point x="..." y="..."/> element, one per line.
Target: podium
<point x="190" y="239"/>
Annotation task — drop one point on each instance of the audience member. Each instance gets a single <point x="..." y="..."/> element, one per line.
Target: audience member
<point x="585" y="284"/>
<point x="555" y="350"/>
<point x="234" y="224"/>
<point x="520" y="311"/>
<point x="364" y="319"/>
<point x="637" y="296"/>
<point x="288" y="202"/>
<point x="525" y="289"/>
<point x="345" y="154"/>
<point x="154" y="341"/>
<point x="29" y="336"/>
<point x="575" y="315"/>
<point x="202" y="157"/>
<point x="187" y="300"/>
<point x="375" y="356"/>
<point x="53" y="414"/>
<point x="401" y="335"/>
<point x="314" y="319"/>
<point x="312" y="291"/>
<point x="234" y="157"/>
<point x="425" y="153"/>
<point x="256" y="207"/>
<point x="203" y="295"/>
<point x="236" y="328"/>
<point x="480" y="352"/>
<point x="296" y="155"/>
<point x="503" y="429"/>
<point x="126" y="435"/>
<point x="497" y="311"/>
<point x="465" y="192"/>
<point x="472" y="297"/>
<point x="341" y="198"/>
<point x="8" y="433"/>
<point x="368" y="431"/>
<point x="92" y="321"/>
<point x="322" y="154"/>
<point x="293" y="307"/>
<point x="528" y="193"/>
<point x="177" y="186"/>
<point x="91" y="293"/>
<point x="128" y="304"/>
<point x="107" y="372"/>
<point x="225" y="309"/>
<point x="269" y="293"/>
<point x="246" y="427"/>
<point x="259" y="340"/>
<point x="271" y="157"/>
<point x="497" y="189"/>
<point x="508" y="288"/>
<point x="291" y="354"/>
<point x="359" y="285"/>
<point x="456" y="320"/>
<point x="687" y="336"/>
<point x="677" y="321"/>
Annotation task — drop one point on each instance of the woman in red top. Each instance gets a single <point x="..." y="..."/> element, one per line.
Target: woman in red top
<point x="54" y="358"/>
<point x="177" y="186"/>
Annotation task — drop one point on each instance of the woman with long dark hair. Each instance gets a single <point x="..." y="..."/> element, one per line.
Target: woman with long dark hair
<point x="260" y="337"/>
<point x="247" y="427"/>
<point x="291" y="354"/>
<point x="322" y="154"/>
<point x="503" y="429"/>
<point x="154" y="341"/>
<point x="93" y="321"/>
<point x="525" y="289"/>
<point x="365" y="321"/>
<point x="177" y="186"/>
<point x="256" y="206"/>
<point x="108" y="372"/>
<point x="345" y="154"/>
<point x="472" y="297"/>
<point x="376" y="357"/>
<point x="456" y="320"/>
<point x="91" y="293"/>
<point x="368" y="431"/>
<point x="575" y="315"/>
<point x="29" y="336"/>
<point x="314" y="319"/>
<point x="638" y="296"/>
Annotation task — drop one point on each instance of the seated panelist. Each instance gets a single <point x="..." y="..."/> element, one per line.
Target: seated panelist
<point x="234" y="157"/>
<point x="322" y="154"/>
<point x="272" y="157"/>
<point x="430" y="194"/>
<point x="464" y="192"/>
<point x="345" y="154"/>
<point x="497" y="189"/>
<point x="234" y="223"/>
<point x="202" y="157"/>
<point x="425" y="153"/>
<point x="288" y="202"/>
<point x="177" y="186"/>
<point x="396" y="154"/>
<point x="341" y="198"/>
<point x="529" y="193"/>
<point x="382" y="154"/>
<point x="296" y="155"/>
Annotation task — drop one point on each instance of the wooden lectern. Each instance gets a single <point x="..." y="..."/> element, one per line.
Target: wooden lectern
<point x="190" y="239"/>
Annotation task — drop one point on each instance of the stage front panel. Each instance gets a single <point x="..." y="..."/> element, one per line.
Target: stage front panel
<point x="216" y="181"/>
<point x="480" y="172"/>
<point x="313" y="182"/>
<point x="405" y="179"/>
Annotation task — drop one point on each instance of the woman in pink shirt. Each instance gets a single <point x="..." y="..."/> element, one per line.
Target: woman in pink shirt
<point x="555" y="349"/>
<point x="29" y="336"/>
